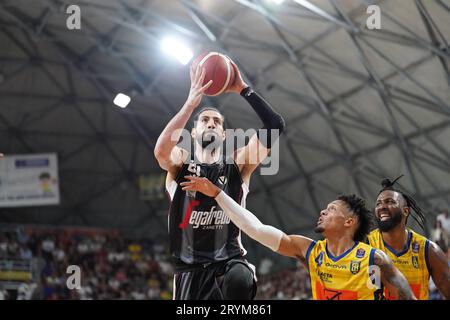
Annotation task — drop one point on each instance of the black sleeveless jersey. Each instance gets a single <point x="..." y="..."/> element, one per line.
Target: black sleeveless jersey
<point x="199" y="231"/>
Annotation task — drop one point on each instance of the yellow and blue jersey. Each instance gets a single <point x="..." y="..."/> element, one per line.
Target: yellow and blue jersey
<point x="412" y="261"/>
<point x="346" y="277"/>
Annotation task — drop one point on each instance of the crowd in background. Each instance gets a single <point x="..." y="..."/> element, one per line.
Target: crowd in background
<point x="114" y="267"/>
<point x="287" y="284"/>
<point x="111" y="267"/>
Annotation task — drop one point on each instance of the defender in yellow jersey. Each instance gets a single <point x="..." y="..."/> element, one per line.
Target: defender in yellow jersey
<point x="412" y="261"/>
<point x="345" y="277"/>
<point x="340" y="266"/>
<point x="413" y="254"/>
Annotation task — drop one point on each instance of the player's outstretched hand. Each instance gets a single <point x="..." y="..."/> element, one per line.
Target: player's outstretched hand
<point x="202" y="185"/>
<point x="197" y="74"/>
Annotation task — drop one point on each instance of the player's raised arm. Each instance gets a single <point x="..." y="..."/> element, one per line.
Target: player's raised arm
<point x="257" y="149"/>
<point x="391" y="278"/>
<point x="273" y="238"/>
<point x="168" y="155"/>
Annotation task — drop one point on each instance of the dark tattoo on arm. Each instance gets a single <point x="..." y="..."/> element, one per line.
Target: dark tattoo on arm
<point x="392" y="278"/>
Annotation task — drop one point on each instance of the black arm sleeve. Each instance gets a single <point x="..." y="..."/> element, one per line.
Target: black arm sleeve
<point x="270" y="118"/>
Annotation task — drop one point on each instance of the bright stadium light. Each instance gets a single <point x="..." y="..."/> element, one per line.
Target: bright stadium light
<point x="177" y="49"/>
<point x="122" y="100"/>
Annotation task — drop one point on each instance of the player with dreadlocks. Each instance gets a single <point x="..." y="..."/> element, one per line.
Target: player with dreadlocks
<point x="413" y="254"/>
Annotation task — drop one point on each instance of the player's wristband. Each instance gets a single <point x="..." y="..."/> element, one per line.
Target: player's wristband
<point x="246" y="91"/>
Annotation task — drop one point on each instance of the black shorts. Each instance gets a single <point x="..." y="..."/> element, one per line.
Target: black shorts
<point x="209" y="282"/>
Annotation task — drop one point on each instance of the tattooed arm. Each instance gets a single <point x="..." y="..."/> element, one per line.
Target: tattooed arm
<point x="439" y="269"/>
<point x="393" y="279"/>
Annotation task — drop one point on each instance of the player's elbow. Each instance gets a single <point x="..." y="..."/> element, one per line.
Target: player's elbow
<point x="158" y="153"/>
<point x="279" y="124"/>
<point x="161" y="157"/>
<point x="274" y="130"/>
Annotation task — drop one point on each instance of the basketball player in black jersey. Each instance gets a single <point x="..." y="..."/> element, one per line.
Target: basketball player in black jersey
<point x="205" y="245"/>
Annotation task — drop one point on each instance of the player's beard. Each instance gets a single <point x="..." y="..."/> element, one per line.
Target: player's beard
<point x="392" y="222"/>
<point x="319" y="229"/>
<point x="209" y="140"/>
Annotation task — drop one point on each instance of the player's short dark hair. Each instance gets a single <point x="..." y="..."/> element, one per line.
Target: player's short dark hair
<point x="197" y="115"/>
<point x="358" y="206"/>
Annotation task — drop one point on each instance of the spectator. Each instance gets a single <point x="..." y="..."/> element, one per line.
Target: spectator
<point x="25" y="252"/>
<point x="4" y="294"/>
<point x="3" y="246"/>
<point x="444" y="218"/>
<point x="13" y="248"/>
<point x="26" y="290"/>
<point x="439" y="235"/>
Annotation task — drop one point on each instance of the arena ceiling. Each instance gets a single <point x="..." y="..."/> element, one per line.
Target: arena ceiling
<point x="359" y="104"/>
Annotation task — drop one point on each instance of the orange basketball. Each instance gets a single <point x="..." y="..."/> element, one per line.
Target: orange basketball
<point x="218" y="68"/>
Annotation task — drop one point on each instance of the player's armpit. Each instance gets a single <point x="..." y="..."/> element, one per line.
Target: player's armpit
<point x="439" y="269"/>
<point x="393" y="279"/>
<point x="294" y="246"/>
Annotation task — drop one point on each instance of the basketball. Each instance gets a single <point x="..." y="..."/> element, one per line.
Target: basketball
<point x="218" y="68"/>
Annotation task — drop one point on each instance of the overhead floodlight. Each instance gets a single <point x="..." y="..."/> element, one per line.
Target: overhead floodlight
<point x="122" y="100"/>
<point x="177" y="49"/>
<point x="277" y="2"/>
